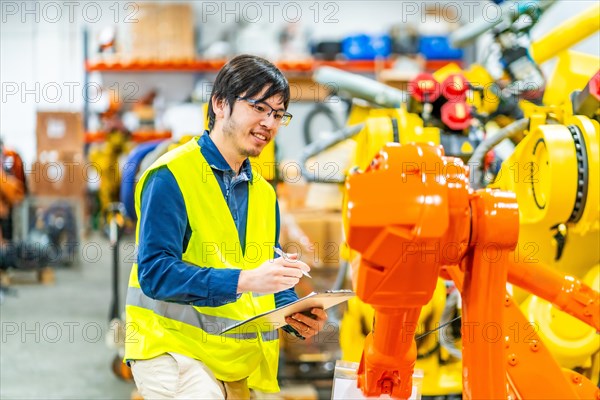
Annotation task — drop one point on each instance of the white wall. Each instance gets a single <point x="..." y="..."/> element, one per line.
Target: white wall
<point x="41" y="65"/>
<point x="41" y="45"/>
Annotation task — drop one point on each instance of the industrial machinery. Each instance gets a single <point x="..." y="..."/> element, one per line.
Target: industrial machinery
<point x="450" y="106"/>
<point x="438" y="350"/>
<point x="553" y="169"/>
<point x="385" y="118"/>
<point x="554" y="174"/>
<point x="105" y="157"/>
<point x="431" y="223"/>
<point x="13" y="190"/>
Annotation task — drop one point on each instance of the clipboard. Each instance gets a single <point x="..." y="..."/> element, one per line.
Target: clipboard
<point x="275" y="319"/>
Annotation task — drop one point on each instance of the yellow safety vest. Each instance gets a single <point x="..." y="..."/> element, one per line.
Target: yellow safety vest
<point x="156" y="327"/>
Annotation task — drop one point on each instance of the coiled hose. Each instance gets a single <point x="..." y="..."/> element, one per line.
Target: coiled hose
<point x="476" y="162"/>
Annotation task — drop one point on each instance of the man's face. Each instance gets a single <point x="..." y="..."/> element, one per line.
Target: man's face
<point x="248" y="129"/>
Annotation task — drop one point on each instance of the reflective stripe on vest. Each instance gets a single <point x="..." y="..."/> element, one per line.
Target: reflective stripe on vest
<point x="188" y="315"/>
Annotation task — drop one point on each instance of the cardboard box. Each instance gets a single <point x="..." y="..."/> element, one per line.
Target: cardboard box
<point x="326" y="196"/>
<point x="163" y="32"/>
<point x="313" y="196"/>
<point x="298" y="392"/>
<point x="62" y="176"/>
<point x="144" y="33"/>
<point x="59" y="131"/>
<point x="303" y="88"/>
<point x="316" y="235"/>
<point x="177" y="32"/>
<point x="291" y="196"/>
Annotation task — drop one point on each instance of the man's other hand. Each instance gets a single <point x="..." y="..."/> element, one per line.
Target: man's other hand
<point x="308" y="326"/>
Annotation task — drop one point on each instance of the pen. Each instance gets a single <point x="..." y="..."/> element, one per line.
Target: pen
<point x="282" y="254"/>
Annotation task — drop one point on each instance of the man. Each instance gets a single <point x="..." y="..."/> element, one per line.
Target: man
<point x="207" y="227"/>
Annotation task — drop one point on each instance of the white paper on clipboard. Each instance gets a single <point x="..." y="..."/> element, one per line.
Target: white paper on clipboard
<point x="275" y="319"/>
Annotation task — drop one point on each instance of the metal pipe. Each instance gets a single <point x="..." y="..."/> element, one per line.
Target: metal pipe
<point x="361" y="87"/>
<point x="476" y="160"/>
<point x="567" y="34"/>
<point x="321" y="145"/>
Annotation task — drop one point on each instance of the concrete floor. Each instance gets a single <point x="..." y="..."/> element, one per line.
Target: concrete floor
<point x="53" y="337"/>
<point x="52" y="342"/>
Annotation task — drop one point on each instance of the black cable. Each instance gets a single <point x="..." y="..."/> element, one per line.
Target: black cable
<point x="319" y="109"/>
<point x="439" y="327"/>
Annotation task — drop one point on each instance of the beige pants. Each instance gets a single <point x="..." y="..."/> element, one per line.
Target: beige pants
<point x="174" y="376"/>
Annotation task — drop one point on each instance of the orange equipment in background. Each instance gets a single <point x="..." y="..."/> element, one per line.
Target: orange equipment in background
<point x="13" y="187"/>
<point x="431" y="223"/>
<point x="13" y="164"/>
<point x="11" y="192"/>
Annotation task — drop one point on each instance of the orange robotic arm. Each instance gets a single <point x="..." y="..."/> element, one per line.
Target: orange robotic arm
<point x="428" y="221"/>
<point x="404" y="237"/>
<point x="568" y="293"/>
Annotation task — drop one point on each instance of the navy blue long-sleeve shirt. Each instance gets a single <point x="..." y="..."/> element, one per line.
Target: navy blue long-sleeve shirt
<point x="165" y="233"/>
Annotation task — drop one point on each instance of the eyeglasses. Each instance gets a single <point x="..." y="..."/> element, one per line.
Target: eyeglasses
<point x="262" y="108"/>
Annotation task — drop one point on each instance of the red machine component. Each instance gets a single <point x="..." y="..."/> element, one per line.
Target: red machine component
<point x="431" y="222"/>
<point x="587" y="101"/>
<point x="455" y="87"/>
<point x="595" y="86"/>
<point x="456" y="115"/>
<point x="425" y="88"/>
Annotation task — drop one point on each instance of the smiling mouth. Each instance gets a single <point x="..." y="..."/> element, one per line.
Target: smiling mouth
<point x="259" y="136"/>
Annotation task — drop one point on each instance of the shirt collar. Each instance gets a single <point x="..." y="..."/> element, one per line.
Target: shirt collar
<point x="216" y="160"/>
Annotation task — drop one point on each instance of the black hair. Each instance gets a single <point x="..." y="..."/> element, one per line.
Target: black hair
<point x="247" y="75"/>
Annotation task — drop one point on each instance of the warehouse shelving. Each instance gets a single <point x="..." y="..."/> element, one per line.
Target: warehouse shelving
<point x="207" y="66"/>
<point x="298" y="71"/>
<point x="136" y="136"/>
